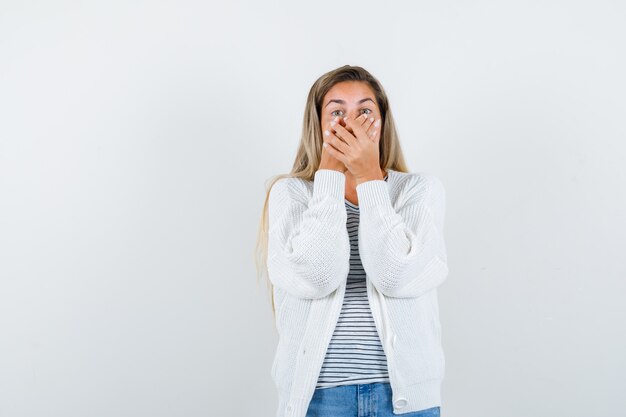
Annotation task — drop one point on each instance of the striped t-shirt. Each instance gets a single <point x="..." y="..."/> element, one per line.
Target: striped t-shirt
<point x="355" y="354"/>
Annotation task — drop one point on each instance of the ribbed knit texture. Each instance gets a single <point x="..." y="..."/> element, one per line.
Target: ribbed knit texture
<point x="402" y="250"/>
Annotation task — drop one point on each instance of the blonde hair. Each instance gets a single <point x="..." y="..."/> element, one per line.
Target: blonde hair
<point x="309" y="152"/>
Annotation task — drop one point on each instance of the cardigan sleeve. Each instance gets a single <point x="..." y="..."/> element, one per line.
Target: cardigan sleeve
<point x="308" y="243"/>
<point x="403" y="251"/>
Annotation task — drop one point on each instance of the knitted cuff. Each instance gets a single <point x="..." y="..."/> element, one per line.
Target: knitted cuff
<point x="372" y="193"/>
<point x="330" y="182"/>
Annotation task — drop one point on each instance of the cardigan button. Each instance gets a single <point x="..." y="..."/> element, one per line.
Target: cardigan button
<point x="400" y="402"/>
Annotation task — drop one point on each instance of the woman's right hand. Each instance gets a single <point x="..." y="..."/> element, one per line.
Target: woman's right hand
<point x="328" y="161"/>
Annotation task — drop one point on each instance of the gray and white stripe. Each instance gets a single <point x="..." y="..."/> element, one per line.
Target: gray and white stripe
<point x="355" y="354"/>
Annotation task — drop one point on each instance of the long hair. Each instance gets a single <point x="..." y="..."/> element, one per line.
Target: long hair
<point x="309" y="152"/>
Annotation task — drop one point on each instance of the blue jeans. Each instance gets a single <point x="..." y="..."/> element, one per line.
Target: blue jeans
<point x="359" y="400"/>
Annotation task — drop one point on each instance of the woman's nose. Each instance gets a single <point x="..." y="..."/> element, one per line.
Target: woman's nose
<point x="344" y="124"/>
<point x="352" y="116"/>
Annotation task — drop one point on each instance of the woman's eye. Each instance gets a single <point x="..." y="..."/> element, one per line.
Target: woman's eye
<point x="333" y="113"/>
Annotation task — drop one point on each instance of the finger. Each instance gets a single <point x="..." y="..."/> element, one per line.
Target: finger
<point x="360" y="120"/>
<point x="373" y="127"/>
<point x="335" y="153"/>
<point x="376" y="129"/>
<point x="343" y="123"/>
<point x="369" y="127"/>
<point x="357" y="127"/>
<point x="343" y="133"/>
<point x="337" y="142"/>
<point x="330" y="126"/>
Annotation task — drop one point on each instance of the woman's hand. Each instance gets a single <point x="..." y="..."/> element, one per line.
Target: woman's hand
<point x="358" y="151"/>
<point x="327" y="161"/>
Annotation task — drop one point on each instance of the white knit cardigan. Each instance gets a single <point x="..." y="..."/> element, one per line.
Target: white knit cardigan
<point x="402" y="249"/>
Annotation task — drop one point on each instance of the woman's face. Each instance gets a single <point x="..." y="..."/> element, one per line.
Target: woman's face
<point x="348" y="98"/>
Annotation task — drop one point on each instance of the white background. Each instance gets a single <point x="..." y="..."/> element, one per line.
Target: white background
<point x="136" y="139"/>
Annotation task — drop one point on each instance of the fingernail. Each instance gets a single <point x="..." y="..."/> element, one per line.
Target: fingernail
<point x="377" y="123"/>
<point x="333" y="123"/>
<point x="326" y="132"/>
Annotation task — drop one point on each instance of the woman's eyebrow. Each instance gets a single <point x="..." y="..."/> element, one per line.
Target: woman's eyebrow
<point x="344" y="102"/>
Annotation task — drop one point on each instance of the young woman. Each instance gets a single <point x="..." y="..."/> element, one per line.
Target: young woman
<point x="354" y="249"/>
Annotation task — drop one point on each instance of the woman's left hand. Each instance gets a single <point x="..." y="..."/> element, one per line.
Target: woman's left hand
<point x="358" y="150"/>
